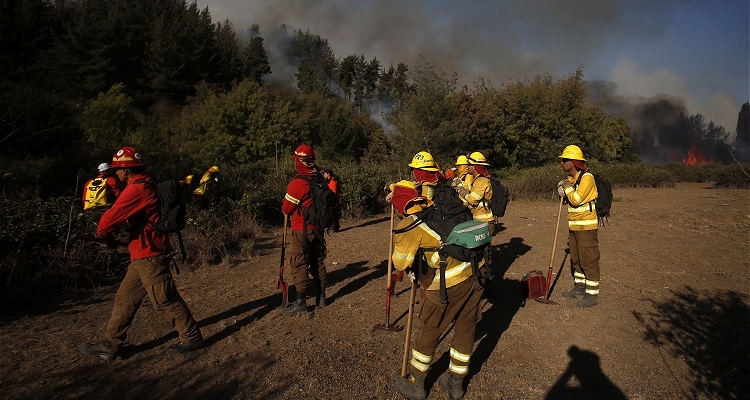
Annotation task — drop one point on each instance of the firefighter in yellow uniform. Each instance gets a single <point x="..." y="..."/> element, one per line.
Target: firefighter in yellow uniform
<point x="478" y="193"/>
<point x="463" y="295"/>
<point x="462" y="178"/>
<point x="203" y="194"/>
<point x="583" y="225"/>
<point x="425" y="169"/>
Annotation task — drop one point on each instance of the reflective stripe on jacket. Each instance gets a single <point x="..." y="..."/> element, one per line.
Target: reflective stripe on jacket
<point x="478" y="199"/>
<point x="581" y="209"/>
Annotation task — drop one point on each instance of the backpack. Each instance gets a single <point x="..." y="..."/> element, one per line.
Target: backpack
<point x="173" y="210"/>
<point x="463" y="241"/>
<point x="603" y="202"/>
<point x="95" y="194"/>
<point x="500" y="198"/>
<point x="321" y="210"/>
<point x="449" y="207"/>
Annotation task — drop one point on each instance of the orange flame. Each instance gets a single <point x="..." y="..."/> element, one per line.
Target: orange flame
<point x="695" y="157"/>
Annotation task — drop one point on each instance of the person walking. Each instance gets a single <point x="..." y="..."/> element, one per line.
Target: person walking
<point x="149" y="271"/>
<point x="102" y="191"/>
<point x="463" y="306"/>
<point x="307" y="245"/>
<point x="204" y="193"/>
<point x="579" y="191"/>
<point x="335" y="186"/>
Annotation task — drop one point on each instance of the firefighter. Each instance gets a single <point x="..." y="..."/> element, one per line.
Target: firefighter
<point x="149" y="272"/>
<point x="187" y="183"/>
<point x="307" y="245"/>
<point x="477" y="193"/>
<point x="463" y="295"/>
<point x="206" y="189"/>
<point x="462" y="178"/>
<point x="425" y="171"/>
<point x="583" y="227"/>
<point x="335" y="186"/>
<point x="101" y="191"/>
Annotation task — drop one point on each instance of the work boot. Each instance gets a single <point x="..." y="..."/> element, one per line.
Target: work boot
<point x="589" y="300"/>
<point x="180" y="348"/>
<point x="453" y="384"/>
<point x="411" y="387"/>
<point x="576" y="293"/>
<point x="320" y="300"/>
<point x="94" y="350"/>
<point x="299" y="306"/>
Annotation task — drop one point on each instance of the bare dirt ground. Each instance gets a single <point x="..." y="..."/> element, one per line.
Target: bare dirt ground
<point x="673" y="320"/>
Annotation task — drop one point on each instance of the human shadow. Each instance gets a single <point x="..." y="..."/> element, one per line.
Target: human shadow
<point x="709" y="331"/>
<point x="505" y="254"/>
<point x="366" y="223"/>
<point x="361" y="281"/>
<point x="592" y="382"/>
<point x="262" y="306"/>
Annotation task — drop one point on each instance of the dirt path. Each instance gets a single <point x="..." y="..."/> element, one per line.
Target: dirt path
<point x="673" y="319"/>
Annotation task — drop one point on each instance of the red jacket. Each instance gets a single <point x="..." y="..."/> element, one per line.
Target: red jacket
<point x="136" y="203"/>
<point x="333" y="184"/>
<point x="298" y="193"/>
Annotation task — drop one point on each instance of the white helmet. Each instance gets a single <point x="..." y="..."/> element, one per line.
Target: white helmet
<point x="103" y="167"/>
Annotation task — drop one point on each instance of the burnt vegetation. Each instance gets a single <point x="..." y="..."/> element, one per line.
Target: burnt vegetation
<point x="82" y="78"/>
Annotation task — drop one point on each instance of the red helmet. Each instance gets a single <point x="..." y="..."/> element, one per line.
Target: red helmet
<point x="127" y="157"/>
<point x="304" y="153"/>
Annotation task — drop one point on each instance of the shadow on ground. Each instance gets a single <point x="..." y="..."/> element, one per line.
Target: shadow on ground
<point x="591" y="383"/>
<point x="710" y="331"/>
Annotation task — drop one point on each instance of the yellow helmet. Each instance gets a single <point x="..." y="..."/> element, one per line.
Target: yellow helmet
<point x="213" y="169"/>
<point x="462" y="160"/>
<point x="424" y="161"/>
<point x="477" y="158"/>
<point x="572" y="152"/>
<point x="189" y="179"/>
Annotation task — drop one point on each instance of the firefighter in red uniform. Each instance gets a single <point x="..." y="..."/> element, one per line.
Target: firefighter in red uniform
<point x="307" y="246"/>
<point x="149" y="273"/>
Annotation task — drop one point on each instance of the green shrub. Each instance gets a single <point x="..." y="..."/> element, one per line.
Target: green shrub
<point x="733" y="176"/>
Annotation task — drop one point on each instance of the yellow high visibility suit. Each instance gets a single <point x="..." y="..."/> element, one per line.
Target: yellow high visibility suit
<point x="581" y="208"/>
<point x="478" y="199"/>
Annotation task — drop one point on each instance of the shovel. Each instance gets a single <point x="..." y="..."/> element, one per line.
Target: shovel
<point x="389" y="289"/>
<point x="281" y="283"/>
<point x="546" y="299"/>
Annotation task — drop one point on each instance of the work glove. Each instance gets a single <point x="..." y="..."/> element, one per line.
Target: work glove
<point x="562" y="185"/>
<point x="462" y="192"/>
<point x="388" y="188"/>
<point x="411" y="276"/>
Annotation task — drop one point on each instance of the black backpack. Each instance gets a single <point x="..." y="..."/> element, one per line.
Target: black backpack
<point x="500" y="198"/>
<point x="173" y="210"/>
<point x="448" y="206"/>
<point x="321" y="210"/>
<point x="603" y="202"/>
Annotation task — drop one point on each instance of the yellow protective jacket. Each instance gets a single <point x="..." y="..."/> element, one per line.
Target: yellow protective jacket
<point x="428" y="189"/>
<point x="478" y="199"/>
<point x="581" y="208"/>
<point x="405" y="251"/>
<point x="205" y="184"/>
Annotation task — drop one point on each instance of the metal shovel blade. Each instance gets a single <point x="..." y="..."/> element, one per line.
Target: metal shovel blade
<point x="384" y="327"/>
<point x="544" y="300"/>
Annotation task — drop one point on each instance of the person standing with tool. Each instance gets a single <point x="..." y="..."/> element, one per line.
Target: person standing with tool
<point x="307" y="245"/>
<point x="579" y="191"/>
<point x="463" y="299"/>
<point x="149" y="271"/>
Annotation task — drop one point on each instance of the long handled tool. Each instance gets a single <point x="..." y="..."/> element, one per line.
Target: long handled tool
<point x="389" y="290"/>
<point x="546" y="299"/>
<point x="107" y="240"/>
<point x="281" y="283"/>
<point x="409" y="320"/>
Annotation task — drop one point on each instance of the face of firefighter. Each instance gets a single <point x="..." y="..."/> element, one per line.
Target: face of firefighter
<point x="567" y="166"/>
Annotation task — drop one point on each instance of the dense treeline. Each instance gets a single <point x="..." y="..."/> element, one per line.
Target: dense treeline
<point x="84" y="77"/>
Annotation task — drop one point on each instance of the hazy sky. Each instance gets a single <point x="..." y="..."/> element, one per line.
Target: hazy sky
<point x="698" y="51"/>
